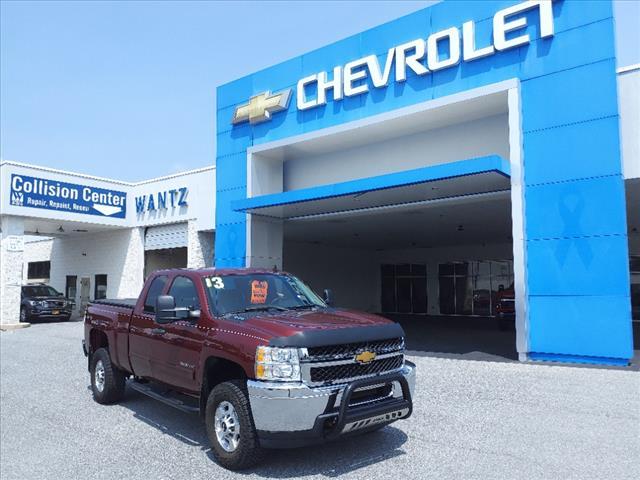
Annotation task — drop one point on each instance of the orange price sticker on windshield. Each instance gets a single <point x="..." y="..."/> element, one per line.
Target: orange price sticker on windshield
<point x="259" y="290"/>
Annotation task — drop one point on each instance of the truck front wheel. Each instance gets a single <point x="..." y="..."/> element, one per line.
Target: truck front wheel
<point x="230" y="427"/>
<point x="107" y="382"/>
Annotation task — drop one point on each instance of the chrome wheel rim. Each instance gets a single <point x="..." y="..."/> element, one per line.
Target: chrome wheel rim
<point x="98" y="376"/>
<point x="227" y="426"/>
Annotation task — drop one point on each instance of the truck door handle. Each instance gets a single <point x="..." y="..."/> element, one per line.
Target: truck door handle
<point x="158" y="331"/>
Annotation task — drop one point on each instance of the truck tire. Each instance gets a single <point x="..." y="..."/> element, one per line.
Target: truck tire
<point x="107" y="381"/>
<point x="232" y="434"/>
<point x="24" y="316"/>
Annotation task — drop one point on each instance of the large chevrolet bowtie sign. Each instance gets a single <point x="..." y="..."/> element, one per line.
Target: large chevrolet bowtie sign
<point x="419" y="56"/>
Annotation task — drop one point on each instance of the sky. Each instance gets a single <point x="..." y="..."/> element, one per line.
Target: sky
<point x="126" y="90"/>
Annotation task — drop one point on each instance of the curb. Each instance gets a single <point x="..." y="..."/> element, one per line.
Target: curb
<point x="7" y="327"/>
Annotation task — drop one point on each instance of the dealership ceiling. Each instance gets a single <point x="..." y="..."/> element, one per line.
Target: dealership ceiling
<point x="474" y="219"/>
<point x="405" y="125"/>
<point x="468" y="220"/>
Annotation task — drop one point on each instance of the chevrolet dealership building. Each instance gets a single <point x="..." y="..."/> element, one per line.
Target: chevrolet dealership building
<point x="418" y="168"/>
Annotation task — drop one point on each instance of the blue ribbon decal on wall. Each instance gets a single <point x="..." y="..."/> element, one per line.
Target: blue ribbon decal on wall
<point x="571" y="209"/>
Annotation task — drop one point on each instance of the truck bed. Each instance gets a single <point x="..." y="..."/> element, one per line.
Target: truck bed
<point x="117" y="302"/>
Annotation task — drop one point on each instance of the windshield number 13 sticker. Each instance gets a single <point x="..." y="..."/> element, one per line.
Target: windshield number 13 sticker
<point x="215" y="282"/>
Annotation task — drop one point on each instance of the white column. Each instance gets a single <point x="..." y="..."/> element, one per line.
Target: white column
<point x="199" y="247"/>
<point x="264" y="242"/>
<point x="518" y="219"/>
<point x="132" y="278"/>
<point x="11" y="264"/>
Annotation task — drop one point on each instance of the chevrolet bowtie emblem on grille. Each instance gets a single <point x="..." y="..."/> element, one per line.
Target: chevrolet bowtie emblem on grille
<point x="365" y="357"/>
<point x="260" y="107"/>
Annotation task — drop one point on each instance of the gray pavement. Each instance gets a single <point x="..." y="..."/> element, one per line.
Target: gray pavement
<point x="473" y="419"/>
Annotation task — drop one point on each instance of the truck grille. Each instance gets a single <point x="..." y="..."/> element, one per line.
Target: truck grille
<point x="54" y="303"/>
<point x="350" y="350"/>
<point x="348" y="371"/>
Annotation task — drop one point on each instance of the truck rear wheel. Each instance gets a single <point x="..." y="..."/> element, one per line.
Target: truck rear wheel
<point x="107" y="381"/>
<point x="230" y="428"/>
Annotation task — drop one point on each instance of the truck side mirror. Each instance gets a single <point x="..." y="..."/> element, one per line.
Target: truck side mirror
<point x="328" y="297"/>
<point x="165" y="309"/>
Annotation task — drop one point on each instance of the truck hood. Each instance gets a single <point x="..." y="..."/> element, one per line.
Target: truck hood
<point x="47" y="297"/>
<point x="296" y="322"/>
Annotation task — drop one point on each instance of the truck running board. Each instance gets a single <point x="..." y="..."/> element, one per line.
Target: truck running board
<point x="168" y="397"/>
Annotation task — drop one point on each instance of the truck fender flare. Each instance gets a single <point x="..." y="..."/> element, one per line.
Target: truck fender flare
<point x="217" y="369"/>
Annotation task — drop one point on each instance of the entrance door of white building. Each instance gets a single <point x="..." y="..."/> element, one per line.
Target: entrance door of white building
<point x="85" y="290"/>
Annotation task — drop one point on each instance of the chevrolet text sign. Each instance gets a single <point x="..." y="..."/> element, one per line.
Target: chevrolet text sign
<point x="68" y="197"/>
<point x="422" y="57"/>
<point x="441" y="50"/>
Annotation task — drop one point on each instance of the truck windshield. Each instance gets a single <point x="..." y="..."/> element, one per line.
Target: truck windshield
<point x="258" y="292"/>
<point x="40" y="291"/>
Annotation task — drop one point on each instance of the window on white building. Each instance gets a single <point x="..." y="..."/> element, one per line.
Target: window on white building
<point x="38" y="269"/>
<point x="100" y="287"/>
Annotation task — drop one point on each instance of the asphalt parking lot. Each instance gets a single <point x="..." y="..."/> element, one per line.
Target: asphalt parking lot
<point x="472" y="419"/>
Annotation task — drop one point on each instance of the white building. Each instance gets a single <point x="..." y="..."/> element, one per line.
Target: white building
<point x="93" y="237"/>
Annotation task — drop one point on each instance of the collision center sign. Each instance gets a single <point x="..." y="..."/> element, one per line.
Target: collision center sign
<point x="67" y="197"/>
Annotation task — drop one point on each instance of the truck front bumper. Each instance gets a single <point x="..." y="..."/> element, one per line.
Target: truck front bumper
<point x="50" y="313"/>
<point x="294" y="414"/>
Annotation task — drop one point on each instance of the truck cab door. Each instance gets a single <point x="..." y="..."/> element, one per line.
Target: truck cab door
<point x="144" y="332"/>
<point x="179" y="348"/>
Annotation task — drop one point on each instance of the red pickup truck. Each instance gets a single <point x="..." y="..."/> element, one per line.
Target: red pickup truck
<point x="263" y="359"/>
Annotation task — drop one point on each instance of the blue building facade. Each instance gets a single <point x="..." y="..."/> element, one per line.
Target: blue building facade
<point x="572" y="258"/>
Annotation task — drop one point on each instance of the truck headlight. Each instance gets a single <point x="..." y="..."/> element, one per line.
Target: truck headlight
<point x="277" y="364"/>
